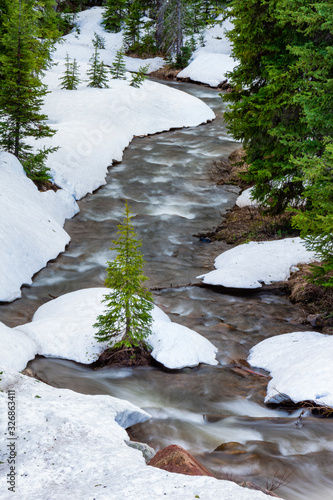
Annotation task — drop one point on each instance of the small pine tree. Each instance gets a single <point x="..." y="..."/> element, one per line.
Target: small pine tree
<point x="98" y="75"/>
<point x="127" y="319"/>
<point x="70" y="80"/>
<point x="139" y="77"/>
<point x="98" y="41"/>
<point x="118" y="67"/>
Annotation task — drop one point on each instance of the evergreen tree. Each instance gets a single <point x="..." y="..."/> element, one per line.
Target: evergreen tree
<point x="133" y="25"/>
<point x="139" y="77"/>
<point x="316" y="222"/>
<point x="23" y="57"/>
<point x="98" y="41"/>
<point x="118" y="67"/>
<point x="114" y="15"/>
<point x="275" y="90"/>
<point x="98" y="74"/>
<point x="127" y="319"/>
<point x="70" y="80"/>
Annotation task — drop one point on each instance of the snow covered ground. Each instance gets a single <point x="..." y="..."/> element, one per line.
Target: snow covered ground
<point x="64" y="328"/>
<point x="252" y="264"/>
<point x="300" y="364"/>
<point x="93" y="126"/>
<point x="73" y="446"/>
<point x="31" y="229"/>
<point x="209" y="64"/>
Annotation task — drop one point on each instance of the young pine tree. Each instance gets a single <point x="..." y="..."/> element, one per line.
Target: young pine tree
<point x="70" y="80"/>
<point x="98" y="74"/>
<point x="118" y="67"/>
<point x="23" y="57"/>
<point x="127" y="320"/>
<point x="98" y="41"/>
<point x="139" y="77"/>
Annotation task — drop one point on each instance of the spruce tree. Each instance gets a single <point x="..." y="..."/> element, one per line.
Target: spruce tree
<point x="133" y="25"/>
<point x="114" y="15"/>
<point x="139" y="77"/>
<point x="118" y="67"/>
<point x="23" y="57"/>
<point x="127" y="320"/>
<point x="98" y="41"/>
<point x="70" y="80"/>
<point x="98" y="74"/>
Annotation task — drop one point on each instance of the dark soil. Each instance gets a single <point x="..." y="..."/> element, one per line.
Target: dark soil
<point x="165" y="73"/>
<point x="316" y="299"/>
<point x="124" y="357"/>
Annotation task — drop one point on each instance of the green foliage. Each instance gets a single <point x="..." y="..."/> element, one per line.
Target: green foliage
<point x="98" y="41"/>
<point x="127" y="319"/>
<point x="98" y="74"/>
<point x="114" y="15"/>
<point x="133" y="25"/>
<point x="118" y="67"/>
<point x="23" y="56"/>
<point x="274" y="90"/>
<point x="139" y="77"/>
<point x="70" y="80"/>
<point x="316" y="221"/>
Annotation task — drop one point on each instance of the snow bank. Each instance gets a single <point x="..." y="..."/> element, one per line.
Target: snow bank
<point x="251" y="264"/>
<point x="30" y="226"/>
<point x="73" y="446"/>
<point x="16" y="349"/>
<point x="94" y="126"/>
<point x="211" y="63"/>
<point x="79" y="46"/>
<point x="64" y="328"/>
<point x="176" y="346"/>
<point x="300" y="364"/>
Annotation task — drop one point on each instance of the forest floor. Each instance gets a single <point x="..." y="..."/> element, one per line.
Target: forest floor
<point x="241" y="225"/>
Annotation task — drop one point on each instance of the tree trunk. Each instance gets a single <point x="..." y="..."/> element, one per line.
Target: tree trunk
<point x="159" y="35"/>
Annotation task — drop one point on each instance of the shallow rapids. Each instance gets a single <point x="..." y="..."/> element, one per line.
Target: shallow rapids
<point x="166" y="180"/>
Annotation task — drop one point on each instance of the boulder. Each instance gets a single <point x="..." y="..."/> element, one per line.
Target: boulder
<point x="174" y="458"/>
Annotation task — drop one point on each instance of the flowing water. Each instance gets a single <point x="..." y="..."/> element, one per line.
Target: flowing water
<point x="166" y="180"/>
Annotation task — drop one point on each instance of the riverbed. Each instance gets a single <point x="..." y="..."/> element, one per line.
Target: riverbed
<point x="166" y="180"/>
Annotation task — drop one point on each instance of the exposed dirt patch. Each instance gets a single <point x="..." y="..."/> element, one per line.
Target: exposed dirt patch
<point x="46" y="186"/>
<point x="165" y="73"/>
<point x="230" y="171"/>
<point x="317" y="299"/>
<point x="124" y="357"/>
<point x="245" y="224"/>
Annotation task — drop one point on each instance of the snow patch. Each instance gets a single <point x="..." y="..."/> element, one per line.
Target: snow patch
<point x="300" y="364"/>
<point x="251" y="264"/>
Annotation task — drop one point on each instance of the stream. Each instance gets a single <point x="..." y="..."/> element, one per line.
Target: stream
<point x="166" y="180"/>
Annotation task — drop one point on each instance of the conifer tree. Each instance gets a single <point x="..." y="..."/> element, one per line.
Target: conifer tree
<point x="23" y="57"/>
<point x="118" y="67"/>
<point x="70" y="80"/>
<point x="127" y="320"/>
<point x="133" y="25"/>
<point x="98" y="41"/>
<point x="98" y="74"/>
<point x="139" y="77"/>
<point x="114" y="15"/>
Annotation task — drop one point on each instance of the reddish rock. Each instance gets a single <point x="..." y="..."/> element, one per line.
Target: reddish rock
<point x="174" y="458"/>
